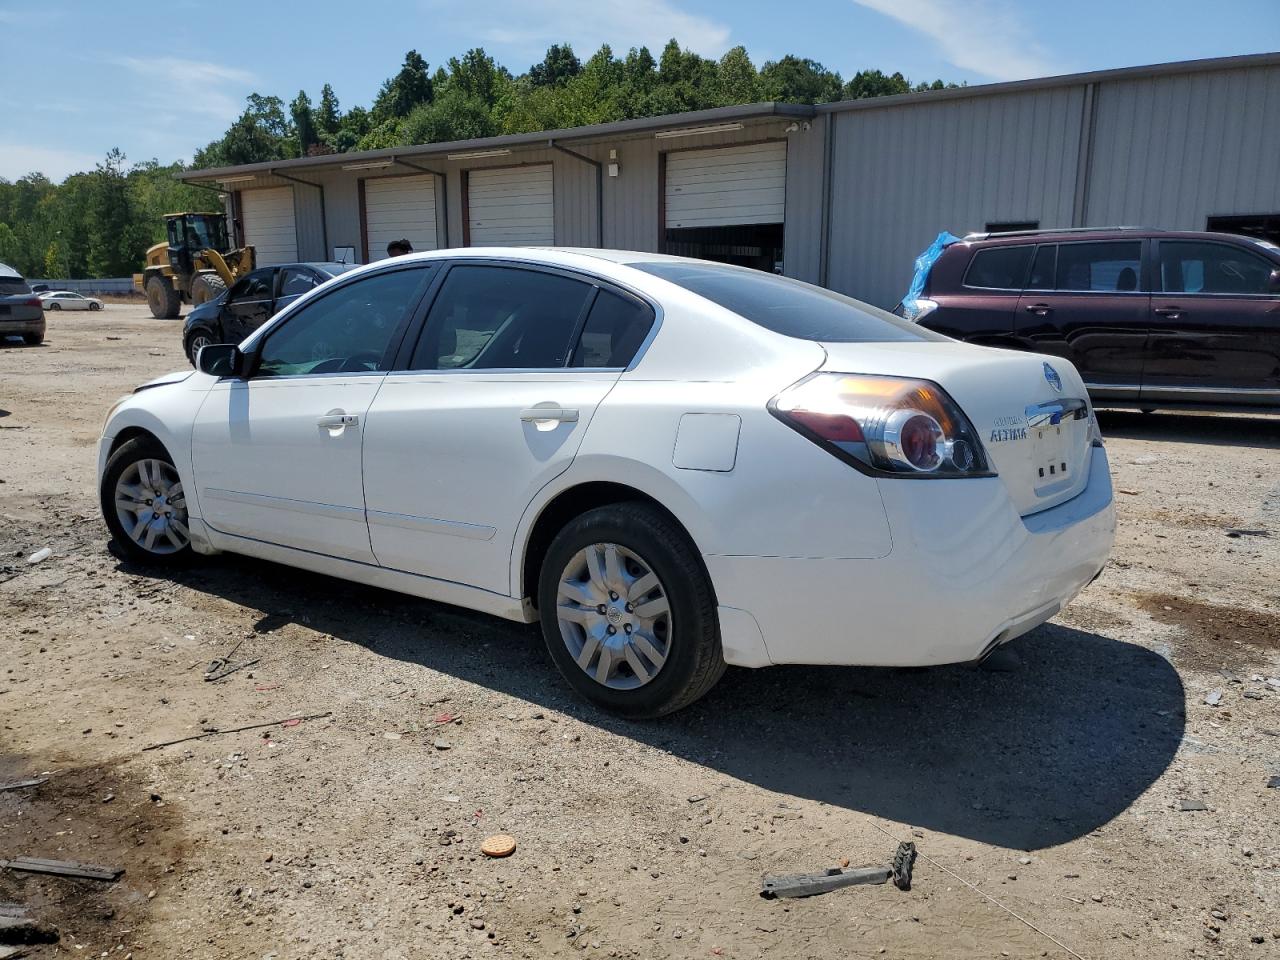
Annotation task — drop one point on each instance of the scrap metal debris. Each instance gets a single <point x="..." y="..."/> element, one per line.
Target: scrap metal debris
<point x="19" y="784"/>
<point x="220" y="667"/>
<point x="63" y="868"/>
<point x="811" y="884"/>
<point x="214" y="731"/>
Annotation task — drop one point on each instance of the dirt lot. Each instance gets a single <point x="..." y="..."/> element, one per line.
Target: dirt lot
<point x="1054" y="788"/>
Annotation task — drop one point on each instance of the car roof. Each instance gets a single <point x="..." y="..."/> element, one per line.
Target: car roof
<point x="1098" y="233"/>
<point x="8" y="273"/>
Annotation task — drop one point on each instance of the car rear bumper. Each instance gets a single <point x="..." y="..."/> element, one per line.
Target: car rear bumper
<point x="966" y="573"/>
<point x="14" y="326"/>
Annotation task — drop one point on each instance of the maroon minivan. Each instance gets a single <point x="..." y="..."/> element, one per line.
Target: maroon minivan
<point x="1150" y="318"/>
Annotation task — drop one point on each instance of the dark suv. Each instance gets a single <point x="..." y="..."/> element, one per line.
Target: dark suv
<point x="1150" y="318"/>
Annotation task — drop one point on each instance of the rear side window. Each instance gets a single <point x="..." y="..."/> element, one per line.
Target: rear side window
<point x="616" y="327"/>
<point x="499" y="318"/>
<point x="786" y="306"/>
<point x="1110" y="266"/>
<point x="999" y="268"/>
<point x="1042" y="267"/>
<point x="1192" y="267"/>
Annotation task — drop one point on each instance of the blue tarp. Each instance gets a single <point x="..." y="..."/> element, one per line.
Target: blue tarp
<point x="924" y="263"/>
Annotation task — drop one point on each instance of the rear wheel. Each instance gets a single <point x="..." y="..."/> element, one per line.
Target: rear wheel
<point x="162" y="298"/>
<point x="53" y="305"/>
<point x="144" y="505"/>
<point x="206" y="287"/>
<point x="628" y="613"/>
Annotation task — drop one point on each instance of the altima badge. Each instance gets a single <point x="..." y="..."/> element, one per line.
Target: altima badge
<point x="1051" y="375"/>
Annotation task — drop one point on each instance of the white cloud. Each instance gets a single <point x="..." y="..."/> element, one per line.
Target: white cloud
<point x="17" y="160"/>
<point x="205" y="87"/>
<point x="988" y="37"/>
<point x="530" y="26"/>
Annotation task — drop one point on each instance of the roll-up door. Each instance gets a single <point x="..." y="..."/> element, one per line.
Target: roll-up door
<point x="511" y="207"/>
<point x="726" y="186"/>
<point x="269" y="225"/>
<point x="399" y="208"/>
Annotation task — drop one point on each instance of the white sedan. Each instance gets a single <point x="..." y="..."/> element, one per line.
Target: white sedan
<point x="66" y="300"/>
<point x="671" y="465"/>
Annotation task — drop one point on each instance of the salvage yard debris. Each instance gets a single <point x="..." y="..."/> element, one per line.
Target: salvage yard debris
<point x="213" y="732"/>
<point x="63" y="868"/>
<point x="811" y="884"/>
<point x="19" y="784"/>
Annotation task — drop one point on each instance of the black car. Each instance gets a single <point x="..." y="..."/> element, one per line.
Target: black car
<point x="253" y="300"/>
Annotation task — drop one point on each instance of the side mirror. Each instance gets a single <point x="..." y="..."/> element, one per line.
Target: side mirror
<point x="220" y="360"/>
<point x="1273" y="282"/>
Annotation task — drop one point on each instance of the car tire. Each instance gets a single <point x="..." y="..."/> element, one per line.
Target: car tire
<point x="206" y="287"/>
<point x="95" y="306"/>
<point x="163" y="300"/>
<point x="654" y="567"/>
<point x="54" y="306"/>
<point x="138" y="475"/>
<point x="194" y="343"/>
<point x="33" y="339"/>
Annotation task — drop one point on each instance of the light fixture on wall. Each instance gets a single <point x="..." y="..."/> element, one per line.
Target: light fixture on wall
<point x="369" y="164"/>
<point x="697" y="131"/>
<point x="796" y="127"/>
<point x="477" y="154"/>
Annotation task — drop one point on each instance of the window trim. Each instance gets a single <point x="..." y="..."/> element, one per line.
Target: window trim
<point x="410" y="343"/>
<point x="1158" y="273"/>
<point x="253" y="346"/>
<point x="1026" y="271"/>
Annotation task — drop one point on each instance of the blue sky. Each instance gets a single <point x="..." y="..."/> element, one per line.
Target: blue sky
<point x="81" y="78"/>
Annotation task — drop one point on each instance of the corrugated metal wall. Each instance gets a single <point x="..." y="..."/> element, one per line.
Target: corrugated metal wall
<point x="806" y="202"/>
<point x="309" y="216"/>
<point x="901" y="174"/>
<point x="1171" y="151"/>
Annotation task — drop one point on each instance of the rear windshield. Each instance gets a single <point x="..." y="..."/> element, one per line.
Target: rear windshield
<point x="786" y="306"/>
<point x="9" y="286"/>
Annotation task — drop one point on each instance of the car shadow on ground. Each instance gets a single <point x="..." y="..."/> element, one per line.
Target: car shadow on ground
<point x="1233" y="430"/>
<point x="1024" y="760"/>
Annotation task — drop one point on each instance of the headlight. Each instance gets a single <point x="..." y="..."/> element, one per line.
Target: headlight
<point x="893" y="426"/>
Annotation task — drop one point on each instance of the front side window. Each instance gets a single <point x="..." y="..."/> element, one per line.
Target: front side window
<point x="616" y="327"/>
<point x="1110" y="266"/>
<point x="496" y="318"/>
<point x="256" y="286"/>
<point x="295" y="282"/>
<point x="1195" y="267"/>
<point x="348" y="331"/>
<point x="1042" y="267"/>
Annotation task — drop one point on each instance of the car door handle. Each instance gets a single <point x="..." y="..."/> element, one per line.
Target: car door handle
<point x="1039" y="309"/>
<point x="1173" y="313"/>
<point x="537" y="414"/>
<point x="335" y="421"/>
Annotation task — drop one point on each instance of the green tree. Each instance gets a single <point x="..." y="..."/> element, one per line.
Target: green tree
<point x="736" y="79"/>
<point x="477" y="76"/>
<point x="407" y="89"/>
<point x="261" y="133"/>
<point x="328" y="114"/>
<point x="873" y="83"/>
<point x="304" y="125"/>
<point x="454" y="115"/>
<point x="557" y="68"/>
<point x="796" y="80"/>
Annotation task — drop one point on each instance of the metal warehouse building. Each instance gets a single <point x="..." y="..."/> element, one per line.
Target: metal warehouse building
<point x="842" y="194"/>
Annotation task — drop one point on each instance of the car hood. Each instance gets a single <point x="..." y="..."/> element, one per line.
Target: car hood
<point x="178" y="376"/>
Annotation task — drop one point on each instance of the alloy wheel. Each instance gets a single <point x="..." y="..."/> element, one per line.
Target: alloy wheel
<point x="614" y="616"/>
<point x="151" y="506"/>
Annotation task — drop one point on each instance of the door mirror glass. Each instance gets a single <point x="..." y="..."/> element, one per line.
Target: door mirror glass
<point x="220" y="360"/>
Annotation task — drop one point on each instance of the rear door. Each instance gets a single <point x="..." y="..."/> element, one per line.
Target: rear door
<point x="982" y="309"/>
<point x="250" y="304"/>
<point x="1094" y="312"/>
<point x="1215" y="325"/>
<point x="492" y="407"/>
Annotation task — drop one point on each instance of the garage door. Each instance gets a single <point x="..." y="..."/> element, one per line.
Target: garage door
<point x="399" y="208"/>
<point x="511" y="207"/>
<point x="727" y="186"/>
<point x="268" y="224"/>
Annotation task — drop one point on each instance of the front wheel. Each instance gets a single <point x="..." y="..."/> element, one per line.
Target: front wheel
<point x="33" y="339"/>
<point x="144" y="505"/>
<point x="199" y="339"/>
<point x="628" y="613"/>
<point x="95" y="306"/>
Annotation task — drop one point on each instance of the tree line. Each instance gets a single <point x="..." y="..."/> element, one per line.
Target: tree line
<point x="100" y="222"/>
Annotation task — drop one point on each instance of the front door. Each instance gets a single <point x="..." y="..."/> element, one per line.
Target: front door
<point x="1094" y="312"/>
<point x="1215" y="326"/>
<point x="277" y="454"/>
<point x="493" y="407"/>
<point x="249" y="304"/>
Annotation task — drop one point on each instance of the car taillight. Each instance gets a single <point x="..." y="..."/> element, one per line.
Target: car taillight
<point x="917" y="309"/>
<point x="893" y="426"/>
<point x="33" y="302"/>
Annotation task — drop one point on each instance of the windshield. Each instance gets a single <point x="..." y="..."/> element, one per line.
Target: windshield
<point x="786" y="306"/>
<point x="11" y="286"/>
<point x="205" y="232"/>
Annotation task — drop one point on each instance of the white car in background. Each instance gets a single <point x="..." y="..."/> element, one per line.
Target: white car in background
<point x="672" y="465"/>
<point x="67" y="300"/>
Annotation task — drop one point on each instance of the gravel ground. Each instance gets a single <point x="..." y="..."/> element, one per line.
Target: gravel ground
<point x="1046" y="798"/>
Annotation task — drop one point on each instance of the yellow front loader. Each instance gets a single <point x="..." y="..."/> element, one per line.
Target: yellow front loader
<point x="195" y="265"/>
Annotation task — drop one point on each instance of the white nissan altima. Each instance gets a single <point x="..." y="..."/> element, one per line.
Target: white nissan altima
<point x="671" y="465"/>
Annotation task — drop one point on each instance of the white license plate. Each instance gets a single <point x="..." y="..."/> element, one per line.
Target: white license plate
<point x="1051" y="457"/>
